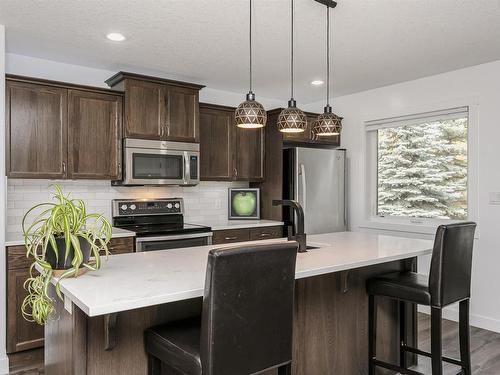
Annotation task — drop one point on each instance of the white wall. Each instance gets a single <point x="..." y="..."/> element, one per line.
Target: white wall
<point x="78" y="74"/>
<point x="4" y="362"/>
<point x="479" y="84"/>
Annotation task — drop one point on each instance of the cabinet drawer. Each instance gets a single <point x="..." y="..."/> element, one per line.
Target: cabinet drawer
<point x="266" y="233"/>
<point x="230" y="235"/>
<point x="16" y="257"/>
<point x="121" y="245"/>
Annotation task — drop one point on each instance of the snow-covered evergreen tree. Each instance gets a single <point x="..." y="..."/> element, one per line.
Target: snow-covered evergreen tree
<point x="422" y="170"/>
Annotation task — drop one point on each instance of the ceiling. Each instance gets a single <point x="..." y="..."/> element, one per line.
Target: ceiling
<point x="375" y="42"/>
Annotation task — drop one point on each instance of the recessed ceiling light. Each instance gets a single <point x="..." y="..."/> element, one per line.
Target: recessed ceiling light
<point x="116" y="37"/>
<point x="317" y="82"/>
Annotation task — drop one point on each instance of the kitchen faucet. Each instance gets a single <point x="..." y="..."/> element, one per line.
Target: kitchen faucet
<point x="300" y="236"/>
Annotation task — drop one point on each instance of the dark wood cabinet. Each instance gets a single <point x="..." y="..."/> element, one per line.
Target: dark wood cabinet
<point x="308" y="136"/>
<point x="229" y="153"/>
<point x="21" y="334"/>
<point x="36" y="119"/>
<point x="157" y="108"/>
<point x="145" y="113"/>
<point x="246" y="234"/>
<point x="60" y="130"/>
<point x="94" y="135"/>
<point x="216" y="142"/>
<point x="249" y="154"/>
<point x="121" y="245"/>
<point x="182" y="114"/>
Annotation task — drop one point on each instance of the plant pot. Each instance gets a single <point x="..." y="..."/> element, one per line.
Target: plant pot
<point x="61" y="263"/>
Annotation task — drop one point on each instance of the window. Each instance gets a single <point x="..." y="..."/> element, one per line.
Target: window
<point x="421" y="165"/>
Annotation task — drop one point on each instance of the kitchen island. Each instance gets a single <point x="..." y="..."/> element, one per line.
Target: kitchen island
<point x="101" y="321"/>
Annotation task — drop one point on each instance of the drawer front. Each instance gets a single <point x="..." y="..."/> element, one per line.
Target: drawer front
<point x="230" y="235"/>
<point x="16" y="258"/>
<point x="266" y="233"/>
<point x="121" y="245"/>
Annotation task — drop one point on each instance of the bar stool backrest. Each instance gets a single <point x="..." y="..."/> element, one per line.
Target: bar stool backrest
<point x="450" y="272"/>
<point x="247" y="313"/>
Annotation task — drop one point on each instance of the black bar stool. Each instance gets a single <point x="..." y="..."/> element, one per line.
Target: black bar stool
<point x="246" y="322"/>
<point x="448" y="282"/>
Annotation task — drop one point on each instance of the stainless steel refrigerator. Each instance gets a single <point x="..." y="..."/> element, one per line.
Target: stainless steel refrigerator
<point x="316" y="179"/>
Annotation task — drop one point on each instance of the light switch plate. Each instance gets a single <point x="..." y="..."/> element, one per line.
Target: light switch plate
<point x="495" y="198"/>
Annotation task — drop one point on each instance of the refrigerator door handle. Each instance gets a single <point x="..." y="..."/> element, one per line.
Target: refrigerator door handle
<point x="303" y="178"/>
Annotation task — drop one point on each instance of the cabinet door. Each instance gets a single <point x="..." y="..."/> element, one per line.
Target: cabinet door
<point x="36" y="130"/>
<point x="144" y="109"/>
<point x="249" y="154"/>
<point x="21" y="334"/>
<point x="94" y="135"/>
<point x="216" y="144"/>
<point x="304" y="136"/>
<point x="182" y="114"/>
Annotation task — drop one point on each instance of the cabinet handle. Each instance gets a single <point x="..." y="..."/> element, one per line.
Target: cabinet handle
<point x="64" y="167"/>
<point x="162" y="130"/>
<point x="119" y="169"/>
<point x="230" y="238"/>
<point x="265" y="234"/>
<point x="235" y="172"/>
<point x="167" y="126"/>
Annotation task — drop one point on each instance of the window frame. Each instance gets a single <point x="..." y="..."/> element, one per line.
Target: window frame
<point x="409" y="224"/>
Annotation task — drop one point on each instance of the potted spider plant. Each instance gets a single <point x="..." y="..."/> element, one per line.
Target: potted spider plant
<point x="61" y="238"/>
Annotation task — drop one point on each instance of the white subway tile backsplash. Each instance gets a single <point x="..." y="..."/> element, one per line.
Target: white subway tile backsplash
<point x="206" y="202"/>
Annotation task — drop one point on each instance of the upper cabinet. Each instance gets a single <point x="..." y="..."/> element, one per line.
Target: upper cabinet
<point x="308" y="136"/>
<point x="36" y="119"/>
<point x="94" y="135"/>
<point x="228" y="153"/>
<point x="158" y="108"/>
<point x="57" y="130"/>
<point x="216" y="140"/>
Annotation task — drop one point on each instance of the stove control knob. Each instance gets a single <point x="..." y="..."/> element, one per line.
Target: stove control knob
<point x="123" y="207"/>
<point x="133" y="207"/>
<point x="169" y="206"/>
<point x="177" y="205"/>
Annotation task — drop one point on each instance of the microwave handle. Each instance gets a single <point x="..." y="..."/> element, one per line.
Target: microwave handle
<point x="187" y="167"/>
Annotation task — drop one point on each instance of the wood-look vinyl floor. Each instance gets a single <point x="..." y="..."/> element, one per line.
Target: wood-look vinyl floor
<point x="485" y="346"/>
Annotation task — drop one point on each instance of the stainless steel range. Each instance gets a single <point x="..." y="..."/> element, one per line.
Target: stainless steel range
<point x="159" y="224"/>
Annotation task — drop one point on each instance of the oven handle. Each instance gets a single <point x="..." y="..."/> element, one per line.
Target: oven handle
<point x="178" y="237"/>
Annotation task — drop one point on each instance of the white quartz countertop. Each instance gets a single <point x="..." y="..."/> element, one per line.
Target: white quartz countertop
<point x="18" y="239"/>
<point x="238" y="224"/>
<point x="131" y="281"/>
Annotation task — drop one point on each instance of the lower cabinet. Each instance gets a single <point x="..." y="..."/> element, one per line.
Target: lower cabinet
<point x="21" y="334"/>
<point x="246" y="234"/>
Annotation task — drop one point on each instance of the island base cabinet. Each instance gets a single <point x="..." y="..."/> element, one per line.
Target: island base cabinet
<point x="330" y="330"/>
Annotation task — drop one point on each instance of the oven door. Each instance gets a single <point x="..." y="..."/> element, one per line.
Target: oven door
<point x="173" y="242"/>
<point x="146" y="166"/>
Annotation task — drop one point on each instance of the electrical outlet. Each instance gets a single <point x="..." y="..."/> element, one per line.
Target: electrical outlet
<point x="495" y="198"/>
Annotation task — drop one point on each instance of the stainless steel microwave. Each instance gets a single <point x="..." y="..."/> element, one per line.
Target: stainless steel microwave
<point x="150" y="162"/>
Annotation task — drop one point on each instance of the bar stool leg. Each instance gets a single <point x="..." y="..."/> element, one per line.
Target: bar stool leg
<point x="285" y="370"/>
<point x="154" y="365"/>
<point x="372" y="333"/>
<point x="402" y="333"/>
<point x="464" y="333"/>
<point x="436" y="341"/>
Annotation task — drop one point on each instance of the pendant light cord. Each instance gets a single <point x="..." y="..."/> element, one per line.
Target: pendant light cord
<point x="291" y="49"/>
<point x="328" y="56"/>
<point x="250" y="44"/>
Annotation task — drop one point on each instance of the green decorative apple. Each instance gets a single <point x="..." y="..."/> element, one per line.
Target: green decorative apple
<point x="244" y="203"/>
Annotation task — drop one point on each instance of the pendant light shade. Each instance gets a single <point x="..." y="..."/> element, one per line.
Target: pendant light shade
<point x="250" y="114"/>
<point x="292" y="119"/>
<point x="328" y="123"/>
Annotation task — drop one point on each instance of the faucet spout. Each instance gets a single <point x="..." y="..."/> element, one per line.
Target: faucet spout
<point x="300" y="236"/>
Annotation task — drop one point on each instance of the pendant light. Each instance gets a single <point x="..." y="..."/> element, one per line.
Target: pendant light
<point x="250" y="114"/>
<point x="292" y="119"/>
<point x="328" y="123"/>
